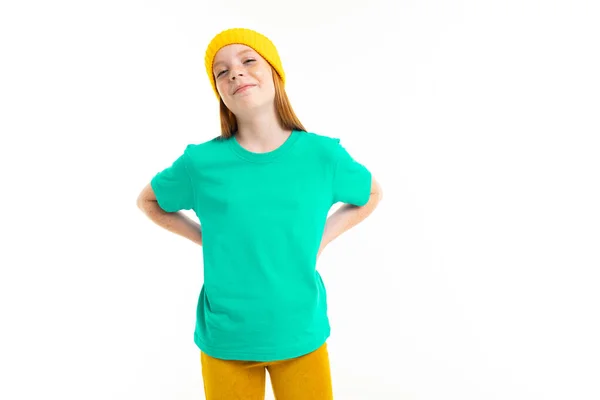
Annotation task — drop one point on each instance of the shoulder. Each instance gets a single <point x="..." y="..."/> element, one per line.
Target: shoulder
<point x="320" y="139"/>
<point x="207" y="148"/>
<point x="327" y="147"/>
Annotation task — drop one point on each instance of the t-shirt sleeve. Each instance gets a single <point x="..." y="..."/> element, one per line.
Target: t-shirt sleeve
<point x="173" y="186"/>
<point x="351" y="179"/>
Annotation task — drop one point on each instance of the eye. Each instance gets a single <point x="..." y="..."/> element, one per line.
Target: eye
<point x="249" y="60"/>
<point x="221" y="73"/>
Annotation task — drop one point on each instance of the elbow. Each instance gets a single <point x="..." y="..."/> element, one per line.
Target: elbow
<point x="145" y="197"/>
<point x="376" y="198"/>
<point x="376" y="191"/>
<point x="140" y="202"/>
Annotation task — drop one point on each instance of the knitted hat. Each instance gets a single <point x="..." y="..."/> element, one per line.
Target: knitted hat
<point x="260" y="43"/>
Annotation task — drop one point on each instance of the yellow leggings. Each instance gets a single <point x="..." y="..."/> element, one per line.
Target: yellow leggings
<point x="302" y="378"/>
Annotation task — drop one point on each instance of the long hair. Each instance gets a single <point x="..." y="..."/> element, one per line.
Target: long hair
<point x="285" y="113"/>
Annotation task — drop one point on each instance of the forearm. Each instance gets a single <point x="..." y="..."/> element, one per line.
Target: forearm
<point x="178" y="223"/>
<point x="347" y="216"/>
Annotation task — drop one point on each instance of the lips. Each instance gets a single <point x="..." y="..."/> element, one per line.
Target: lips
<point x="242" y="87"/>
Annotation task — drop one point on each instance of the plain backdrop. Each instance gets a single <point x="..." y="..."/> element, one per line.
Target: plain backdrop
<point x="476" y="278"/>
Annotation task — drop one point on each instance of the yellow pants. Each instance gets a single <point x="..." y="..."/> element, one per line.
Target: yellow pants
<point x="304" y="378"/>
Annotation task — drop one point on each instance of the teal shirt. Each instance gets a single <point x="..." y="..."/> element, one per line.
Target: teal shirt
<point x="262" y="217"/>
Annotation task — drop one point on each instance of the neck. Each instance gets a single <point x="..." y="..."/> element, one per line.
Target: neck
<point x="261" y="132"/>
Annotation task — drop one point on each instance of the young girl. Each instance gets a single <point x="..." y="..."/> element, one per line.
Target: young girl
<point x="262" y="191"/>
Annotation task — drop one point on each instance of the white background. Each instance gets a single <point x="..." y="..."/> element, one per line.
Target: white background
<point x="477" y="276"/>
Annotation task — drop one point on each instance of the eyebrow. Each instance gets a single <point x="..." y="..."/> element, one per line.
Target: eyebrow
<point x="238" y="54"/>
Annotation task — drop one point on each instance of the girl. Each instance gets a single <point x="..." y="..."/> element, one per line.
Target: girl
<point x="262" y="191"/>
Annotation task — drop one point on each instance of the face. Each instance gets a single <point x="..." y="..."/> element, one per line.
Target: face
<point x="243" y="78"/>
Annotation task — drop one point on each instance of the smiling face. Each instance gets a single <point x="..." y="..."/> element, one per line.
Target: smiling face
<point x="243" y="79"/>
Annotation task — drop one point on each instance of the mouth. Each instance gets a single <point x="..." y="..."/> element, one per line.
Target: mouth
<point x="243" y="88"/>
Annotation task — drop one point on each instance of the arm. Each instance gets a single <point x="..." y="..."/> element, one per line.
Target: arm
<point x="177" y="222"/>
<point x="348" y="215"/>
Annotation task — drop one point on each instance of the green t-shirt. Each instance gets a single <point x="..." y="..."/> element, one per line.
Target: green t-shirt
<point x="262" y="217"/>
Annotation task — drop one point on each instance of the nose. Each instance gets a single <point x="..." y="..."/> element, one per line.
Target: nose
<point x="235" y="74"/>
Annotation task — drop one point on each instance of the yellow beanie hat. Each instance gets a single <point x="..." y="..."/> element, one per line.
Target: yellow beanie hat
<point x="260" y="43"/>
